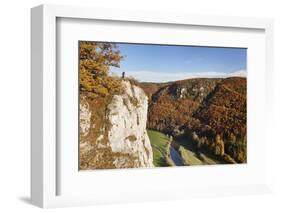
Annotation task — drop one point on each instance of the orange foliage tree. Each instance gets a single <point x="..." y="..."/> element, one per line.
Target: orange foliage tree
<point x="95" y="61"/>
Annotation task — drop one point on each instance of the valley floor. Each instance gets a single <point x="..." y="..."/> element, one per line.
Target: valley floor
<point x="169" y="152"/>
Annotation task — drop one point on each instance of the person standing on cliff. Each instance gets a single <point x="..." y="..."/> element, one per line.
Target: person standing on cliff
<point x="123" y="75"/>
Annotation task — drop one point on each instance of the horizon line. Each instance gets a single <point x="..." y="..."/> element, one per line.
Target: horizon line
<point x="155" y="77"/>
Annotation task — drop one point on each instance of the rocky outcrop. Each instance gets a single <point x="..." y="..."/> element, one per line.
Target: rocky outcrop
<point x="113" y="134"/>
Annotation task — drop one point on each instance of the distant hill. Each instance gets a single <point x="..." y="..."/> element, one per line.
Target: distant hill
<point x="151" y="88"/>
<point x="210" y="112"/>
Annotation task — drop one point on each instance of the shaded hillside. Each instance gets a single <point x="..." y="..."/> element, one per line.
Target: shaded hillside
<point x="208" y="112"/>
<point x="151" y="88"/>
<point x="172" y="106"/>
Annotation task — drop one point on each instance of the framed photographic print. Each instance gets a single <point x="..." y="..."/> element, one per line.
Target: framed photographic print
<point x="130" y="106"/>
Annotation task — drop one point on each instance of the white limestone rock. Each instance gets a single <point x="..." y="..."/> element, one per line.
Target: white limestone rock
<point x="128" y="116"/>
<point x="124" y="142"/>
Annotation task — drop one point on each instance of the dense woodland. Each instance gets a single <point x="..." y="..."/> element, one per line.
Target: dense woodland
<point x="210" y="113"/>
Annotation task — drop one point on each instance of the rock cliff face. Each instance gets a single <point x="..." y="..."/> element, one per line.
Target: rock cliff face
<point x="113" y="134"/>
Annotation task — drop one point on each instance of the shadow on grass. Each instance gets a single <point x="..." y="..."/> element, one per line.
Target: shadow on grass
<point x="189" y="144"/>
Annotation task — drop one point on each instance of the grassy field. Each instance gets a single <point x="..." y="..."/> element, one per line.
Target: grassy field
<point x="192" y="156"/>
<point x="188" y="153"/>
<point x="159" y="142"/>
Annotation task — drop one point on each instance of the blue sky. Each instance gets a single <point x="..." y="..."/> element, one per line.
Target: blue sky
<point x="162" y="63"/>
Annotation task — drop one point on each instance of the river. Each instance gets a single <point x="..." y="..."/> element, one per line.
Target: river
<point x="189" y="155"/>
<point x="159" y="142"/>
<point x="175" y="156"/>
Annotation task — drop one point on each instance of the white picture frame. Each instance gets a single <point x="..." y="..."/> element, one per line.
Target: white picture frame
<point x="44" y="153"/>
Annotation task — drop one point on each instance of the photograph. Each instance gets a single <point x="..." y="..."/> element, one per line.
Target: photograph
<point x="161" y="105"/>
